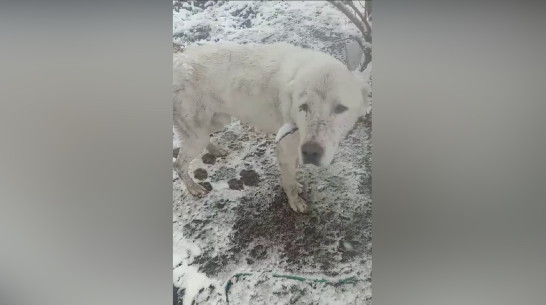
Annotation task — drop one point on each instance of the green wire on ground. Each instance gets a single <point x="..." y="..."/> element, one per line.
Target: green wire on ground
<point x="348" y="280"/>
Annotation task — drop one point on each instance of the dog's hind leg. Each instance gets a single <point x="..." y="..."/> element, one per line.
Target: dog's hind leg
<point x="193" y="142"/>
<point x="218" y="122"/>
<point x="287" y="155"/>
<point x="191" y="147"/>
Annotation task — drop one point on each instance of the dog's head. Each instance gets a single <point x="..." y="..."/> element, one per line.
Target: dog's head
<point x="326" y="103"/>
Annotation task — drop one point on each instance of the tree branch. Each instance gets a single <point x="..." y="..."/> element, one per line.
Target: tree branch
<point x="352" y="5"/>
<point x="362" y="25"/>
<point x="367" y="59"/>
<point x="367" y="35"/>
<point x="364" y="28"/>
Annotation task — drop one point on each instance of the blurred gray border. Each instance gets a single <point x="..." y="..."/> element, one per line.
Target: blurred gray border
<point x="458" y="153"/>
<point x="85" y="157"/>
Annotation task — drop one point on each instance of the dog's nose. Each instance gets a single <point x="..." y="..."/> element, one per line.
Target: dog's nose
<point x="312" y="153"/>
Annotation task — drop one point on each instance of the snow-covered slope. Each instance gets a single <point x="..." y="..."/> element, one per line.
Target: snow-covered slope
<point x="311" y="24"/>
<point x="242" y="241"/>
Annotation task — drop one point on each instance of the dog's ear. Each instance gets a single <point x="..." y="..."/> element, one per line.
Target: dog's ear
<point x="366" y="98"/>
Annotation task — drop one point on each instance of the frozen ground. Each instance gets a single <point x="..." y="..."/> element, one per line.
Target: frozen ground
<point x="242" y="244"/>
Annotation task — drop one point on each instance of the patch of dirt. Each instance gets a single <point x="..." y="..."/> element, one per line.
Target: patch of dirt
<point x="208" y="159"/>
<point x="249" y="177"/>
<point x="200" y="174"/>
<point x="235" y="184"/>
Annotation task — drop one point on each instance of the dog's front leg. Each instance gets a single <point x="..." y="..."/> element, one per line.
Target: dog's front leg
<point x="287" y="155"/>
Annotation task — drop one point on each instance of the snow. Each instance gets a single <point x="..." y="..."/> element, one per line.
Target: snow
<point x="185" y="275"/>
<point x="253" y="230"/>
<point x="313" y="24"/>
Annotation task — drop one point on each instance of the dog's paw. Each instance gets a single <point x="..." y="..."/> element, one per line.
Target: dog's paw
<point x="220" y="152"/>
<point x="217" y="151"/>
<point x="196" y="190"/>
<point x="298" y="204"/>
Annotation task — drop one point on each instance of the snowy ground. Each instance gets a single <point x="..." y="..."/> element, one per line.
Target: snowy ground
<point x="242" y="244"/>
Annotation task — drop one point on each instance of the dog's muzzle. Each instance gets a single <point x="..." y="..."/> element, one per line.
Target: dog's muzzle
<point x="311" y="152"/>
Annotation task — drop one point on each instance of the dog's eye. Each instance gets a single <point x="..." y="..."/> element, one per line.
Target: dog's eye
<point x="340" y="108"/>
<point x="304" y="107"/>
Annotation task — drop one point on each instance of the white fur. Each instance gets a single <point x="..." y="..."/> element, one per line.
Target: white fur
<point x="285" y="130"/>
<point x="264" y="86"/>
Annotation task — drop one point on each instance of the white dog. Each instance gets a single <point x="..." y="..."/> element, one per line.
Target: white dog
<point x="267" y="86"/>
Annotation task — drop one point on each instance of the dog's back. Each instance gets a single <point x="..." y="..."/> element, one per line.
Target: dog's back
<point x="239" y="79"/>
